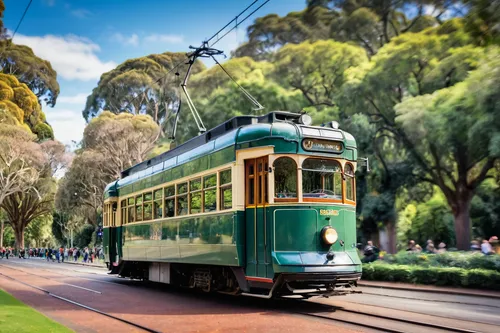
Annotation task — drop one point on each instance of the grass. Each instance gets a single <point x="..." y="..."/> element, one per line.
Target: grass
<point x="17" y="317"/>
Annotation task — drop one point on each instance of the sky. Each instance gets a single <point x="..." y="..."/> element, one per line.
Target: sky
<point x="86" y="38"/>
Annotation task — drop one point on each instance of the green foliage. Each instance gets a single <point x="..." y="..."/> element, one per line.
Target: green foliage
<point x="449" y="276"/>
<point x="84" y="237"/>
<point x="35" y="72"/>
<point x="135" y="87"/>
<point x="466" y="260"/>
<point x="20" y="107"/>
<point x="433" y="220"/>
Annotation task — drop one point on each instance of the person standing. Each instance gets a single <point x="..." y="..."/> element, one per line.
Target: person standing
<point x="486" y="247"/>
<point x="370" y="252"/>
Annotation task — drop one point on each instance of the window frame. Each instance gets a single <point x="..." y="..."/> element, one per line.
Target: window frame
<point x="222" y="187"/>
<point x="210" y="188"/>
<point x="331" y="200"/>
<point x="296" y="199"/>
<point x="352" y="179"/>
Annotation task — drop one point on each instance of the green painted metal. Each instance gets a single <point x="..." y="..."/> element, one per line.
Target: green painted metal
<point x="297" y="244"/>
<point x="284" y="137"/>
<point x="214" y="239"/>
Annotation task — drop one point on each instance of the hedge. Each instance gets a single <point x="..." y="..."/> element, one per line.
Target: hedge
<point x="467" y="260"/>
<point x="440" y="276"/>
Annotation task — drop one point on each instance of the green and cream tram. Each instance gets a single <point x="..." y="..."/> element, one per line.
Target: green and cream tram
<point x="262" y="206"/>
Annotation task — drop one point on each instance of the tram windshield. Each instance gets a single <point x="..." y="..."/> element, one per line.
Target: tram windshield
<point x="321" y="179"/>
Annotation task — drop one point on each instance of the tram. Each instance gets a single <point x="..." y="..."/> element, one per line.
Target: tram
<point x="259" y="205"/>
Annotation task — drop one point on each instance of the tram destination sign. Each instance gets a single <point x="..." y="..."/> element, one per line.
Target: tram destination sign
<point x="324" y="146"/>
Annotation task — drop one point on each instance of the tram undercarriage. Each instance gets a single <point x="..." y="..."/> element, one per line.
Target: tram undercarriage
<point x="232" y="280"/>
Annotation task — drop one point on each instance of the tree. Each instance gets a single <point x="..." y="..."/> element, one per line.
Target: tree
<point x="370" y="24"/>
<point x="141" y="86"/>
<point x="20" y="107"/>
<point x="24" y="207"/>
<point x="18" y="154"/>
<point x="457" y="139"/>
<point x="26" y="170"/>
<point x="36" y="73"/>
<point x="410" y="65"/>
<point x="317" y="69"/>
<point x="111" y="143"/>
<point x="123" y="139"/>
<point x="483" y="20"/>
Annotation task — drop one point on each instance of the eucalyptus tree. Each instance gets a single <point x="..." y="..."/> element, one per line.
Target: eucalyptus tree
<point x="147" y="85"/>
<point x="19" y="106"/>
<point x="36" y="73"/>
<point x="370" y="24"/>
<point x="409" y="66"/>
<point x="111" y="143"/>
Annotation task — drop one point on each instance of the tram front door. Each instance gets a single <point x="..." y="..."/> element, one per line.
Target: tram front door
<point x="259" y="263"/>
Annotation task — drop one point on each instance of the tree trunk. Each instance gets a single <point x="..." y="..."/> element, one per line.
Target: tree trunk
<point x="1" y="233"/>
<point x="462" y="224"/>
<point x="19" y="233"/>
<point x="390" y="226"/>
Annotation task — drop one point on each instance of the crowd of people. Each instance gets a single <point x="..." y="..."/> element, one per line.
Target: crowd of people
<point x="87" y="255"/>
<point x="371" y="252"/>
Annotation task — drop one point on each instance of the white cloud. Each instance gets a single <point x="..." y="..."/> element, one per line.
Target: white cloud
<point x="68" y="124"/>
<point x="76" y="99"/>
<point x="81" y="13"/>
<point x="49" y="3"/>
<point x="125" y="40"/>
<point x="170" y="39"/>
<point x="73" y="57"/>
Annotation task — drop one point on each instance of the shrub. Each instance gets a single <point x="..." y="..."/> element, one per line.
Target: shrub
<point x="443" y="276"/>
<point x="467" y="260"/>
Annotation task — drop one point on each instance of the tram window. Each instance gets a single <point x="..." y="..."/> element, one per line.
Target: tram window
<point x="210" y="193"/>
<point x="148" y="211"/>
<point x="138" y="208"/>
<point x="195" y="202"/>
<point x="148" y="206"/>
<point x="182" y="205"/>
<point x="170" y="207"/>
<point x="225" y="177"/>
<point x="226" y="198"/>
<point x="157" y="204"/>
<point x="226" y="190"/>
<point x="131" y="214"/>
<point x="105" y="215"/>
<point x="321" y="179"/>
<point x="123" y="206"/>
<point x="182" y="188"/>
<point x="170" y="201"/>
<point x="195" y="185"/>
<point x="169" y="191"/>
<point x="349" y="182"/>
<point x="195" y="196"/>
<point x="285" y="178"/>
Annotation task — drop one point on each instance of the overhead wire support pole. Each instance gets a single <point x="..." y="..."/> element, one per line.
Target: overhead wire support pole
<point x="243" y="90"/>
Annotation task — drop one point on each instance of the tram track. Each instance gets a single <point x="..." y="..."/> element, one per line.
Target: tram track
<point x="333" y="312"/>
<point x="80" y="305"/>
<point x="429" y="300"/>
<point x="410" y="325"/>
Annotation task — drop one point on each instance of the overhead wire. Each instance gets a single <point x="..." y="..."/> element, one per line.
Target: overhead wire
<point x="17" y="27"/>
<point x="22" y="18"/>
<point x="206" y="42"/>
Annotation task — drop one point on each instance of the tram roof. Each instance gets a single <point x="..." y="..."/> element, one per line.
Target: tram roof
<point x="284" y="124"/>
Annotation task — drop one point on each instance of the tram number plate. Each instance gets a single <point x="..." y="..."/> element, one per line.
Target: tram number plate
<point x="328" y="212"/>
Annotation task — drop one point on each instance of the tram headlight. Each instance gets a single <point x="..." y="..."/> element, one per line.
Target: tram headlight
<point x="329" y="235"/>
<point x="305" y="119"/>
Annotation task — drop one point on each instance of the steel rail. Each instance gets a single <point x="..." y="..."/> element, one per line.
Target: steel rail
<point x="394" y="319"/>
<point x="147" y="329"/>
<point x="44" y="277"/>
